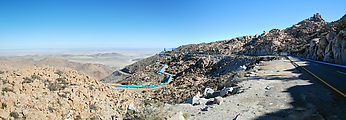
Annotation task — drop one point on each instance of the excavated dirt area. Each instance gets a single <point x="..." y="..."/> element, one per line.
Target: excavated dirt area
<point x="273" y="90"/>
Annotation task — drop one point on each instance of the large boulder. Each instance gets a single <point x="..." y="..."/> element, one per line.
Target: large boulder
<point x="339" y="48"/>
<point x="208" y="92"/>
<point x="194" y="100"/>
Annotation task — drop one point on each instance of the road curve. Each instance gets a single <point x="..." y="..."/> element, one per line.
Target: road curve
<point x="145" y="87"/>
<point x="334" y="76"/>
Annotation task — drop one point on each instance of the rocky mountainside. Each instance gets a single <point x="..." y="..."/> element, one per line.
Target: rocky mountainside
<point x="51" y="93"/>
<point x="312" y="38"/>
<point x="219" y="64"/>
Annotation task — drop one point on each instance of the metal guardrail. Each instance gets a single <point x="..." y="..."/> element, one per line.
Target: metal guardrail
<point x="155" y="86"/>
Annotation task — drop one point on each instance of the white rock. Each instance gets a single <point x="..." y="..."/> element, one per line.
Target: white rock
<point x="241" y="68"/>
<point x="208" y="92"/>
<point x="223" y="92"/>
<point x="268" y="87"/>
<point x="131" y="107"/>
<point x="194" y="100"/>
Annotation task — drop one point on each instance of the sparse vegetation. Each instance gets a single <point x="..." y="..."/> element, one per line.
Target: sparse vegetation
<point x="92" y="107"/>
<point x="3" y="105"/>
<point x="78" y="118"/>
<point x="6" y="89"/>
<point x="15" y="115"/>
<point x="4" y="81"/>
<point x="59" y="72"/>
<point x="91" y="87"/>
<point x="35" y="77"/>
<point x="51" y="109"/>
<point x="150" y="114"/>
<point x="62" y="81"/>
<point x="55" y="86"/>
<point x="2" y="72"/>
<point x="27" y="80"/>
<point x="145" y="114"/>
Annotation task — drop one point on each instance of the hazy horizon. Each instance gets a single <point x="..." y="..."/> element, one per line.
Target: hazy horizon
<point x="146" y="24"/>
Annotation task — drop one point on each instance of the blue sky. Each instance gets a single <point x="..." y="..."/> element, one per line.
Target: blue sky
<point x="61" y="24"/>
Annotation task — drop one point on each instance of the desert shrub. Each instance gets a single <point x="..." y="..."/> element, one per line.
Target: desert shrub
<point x="51" y="109"/>
<point x="4" y="81"/>
<point x="3" y="105"/>
<point x="15" y="115"/>
<point x="62" y="81"/>
<point x="55" y="86"/>
<point x="27" y="80"/>
<point x="6" y="89"/>
<point x="91" y="87"/>
<point x="92" y="107"/>
<point x="35" y="77"/>
<point x="78" y="118"/>
<point x="59" y="72"/>
<point x="59" y="84"/>
<point x="2" y="72"/>
<point x="150" y="114"/>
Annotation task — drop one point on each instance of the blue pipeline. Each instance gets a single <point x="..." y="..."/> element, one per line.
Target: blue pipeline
<point x="137" y="86"/>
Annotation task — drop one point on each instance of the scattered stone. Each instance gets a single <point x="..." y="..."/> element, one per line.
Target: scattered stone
<point x="131" y="107"/>
<point x="226" y="91"/>
<point x="218" y="100"/>
<point x="205" y="109"/>
<point x="242" y="68"/>
<point x="176" y="116"/>
<point x="194" y="100"/>
<point x="208" y="92"/>
<point x="268" y="87"/>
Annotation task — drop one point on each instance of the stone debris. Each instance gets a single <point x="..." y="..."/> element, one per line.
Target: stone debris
<point x="208" y="92"/>
<point x="205" y="108"/>
<point x="131" y="107"/>
<point x="218" y="100"/>
<point x="268" y="87"/>
<point x="241" y="68"/>
<point x="195" y="100"/>
<point x="176" y="116"/>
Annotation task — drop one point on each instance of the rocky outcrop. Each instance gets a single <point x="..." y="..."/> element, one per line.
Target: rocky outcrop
<point x="50" y="93"/>
<point x="311" y="38"/>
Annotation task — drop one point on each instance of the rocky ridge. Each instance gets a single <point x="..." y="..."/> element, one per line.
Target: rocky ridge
<point x="97" y="71"/>
<point x="51" y="93"/>
<point x="311" y="38"/>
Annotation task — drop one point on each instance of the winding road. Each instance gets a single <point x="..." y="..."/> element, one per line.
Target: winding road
<point x="154" y="86"/>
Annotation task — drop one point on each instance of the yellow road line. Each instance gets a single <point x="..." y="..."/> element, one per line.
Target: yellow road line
<point x="320" y="79"/>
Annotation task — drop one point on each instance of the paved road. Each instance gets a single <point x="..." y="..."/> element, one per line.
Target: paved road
<point x="334" y="75"/>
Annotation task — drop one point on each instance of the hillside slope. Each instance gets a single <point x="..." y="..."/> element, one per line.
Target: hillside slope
<point x="219" y="64"/>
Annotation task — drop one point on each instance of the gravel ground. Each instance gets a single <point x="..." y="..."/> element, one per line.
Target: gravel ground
<point x="275" y="91"/>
